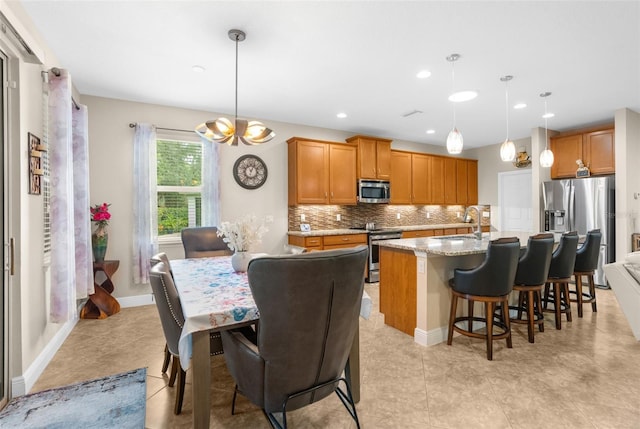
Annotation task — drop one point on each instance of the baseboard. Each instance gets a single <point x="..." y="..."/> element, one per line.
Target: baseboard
<point x="22" y="384"/>
<point x="430" y="338"/>
<point x="136" y="301"/>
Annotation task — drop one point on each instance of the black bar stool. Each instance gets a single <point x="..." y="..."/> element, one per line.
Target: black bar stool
<point x="560" y="272"/>
<point x="533" y="270"/>
<point x="586" y="264"/>
<point x="491" y="282"/>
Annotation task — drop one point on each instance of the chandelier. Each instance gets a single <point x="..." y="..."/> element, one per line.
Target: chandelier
<point x="222" y="130"/>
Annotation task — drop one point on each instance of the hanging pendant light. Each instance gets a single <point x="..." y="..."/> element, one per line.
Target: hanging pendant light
<point x="454" y="139"/>
<point x="222" y="130"/>
<point x="507" y="149"/>
<point x="546" y="156"/>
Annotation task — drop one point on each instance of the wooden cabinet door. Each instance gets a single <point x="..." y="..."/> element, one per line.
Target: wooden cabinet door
<point x="436" y="180"/>
<point x="450" y="181"/>
<point x="461" y="181"/>
<point x="599" y="152"/>
<point x="400" y="177"/>
<point x="383" y="159"/>
<point x="472" y="182"/>
<point x="312" y="172"/>
<point x="342" y="174"/>
<point x="566" y="150"/>
<point x="419" y="179"/>
<point x="366" y="158"/>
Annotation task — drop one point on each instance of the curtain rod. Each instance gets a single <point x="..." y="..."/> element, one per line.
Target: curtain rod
<point x="133" y="125"/>
<point x="56" y="71"/>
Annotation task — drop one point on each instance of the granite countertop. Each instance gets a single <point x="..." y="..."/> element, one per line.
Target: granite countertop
<point x="323" y="232"/>
<point x="455" y="245"/>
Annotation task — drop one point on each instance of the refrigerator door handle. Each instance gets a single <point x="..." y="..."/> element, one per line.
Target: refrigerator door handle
<point x="571" y="221"/>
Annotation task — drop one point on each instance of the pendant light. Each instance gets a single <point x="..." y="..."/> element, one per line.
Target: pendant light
<point x="454" y="139"/>
<point x="507" y="149"/>
<point x="222" y="130"/>
<point x="546" y="156"/>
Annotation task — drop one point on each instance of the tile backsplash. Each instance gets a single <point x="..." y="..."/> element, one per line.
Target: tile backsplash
<point x="383" y="215"/>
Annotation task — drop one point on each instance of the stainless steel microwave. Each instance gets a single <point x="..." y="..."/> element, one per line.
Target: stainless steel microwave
<point x="374" y="191"/>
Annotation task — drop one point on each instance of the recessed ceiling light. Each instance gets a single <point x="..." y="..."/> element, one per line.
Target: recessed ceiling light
<point x="423" y="74"/>
<point x="460" y="96"/>
<point x="197" y="68"/>
<point x="431" y="131"/>
<point x="548" y="115"/>
<point x="341" y="115"/>
<point x="520" y="106"/>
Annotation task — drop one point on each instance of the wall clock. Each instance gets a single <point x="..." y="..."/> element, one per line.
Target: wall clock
<point x="250" y="171"/>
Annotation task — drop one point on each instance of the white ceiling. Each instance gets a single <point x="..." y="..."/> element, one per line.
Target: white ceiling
<point x="303" y="62"/>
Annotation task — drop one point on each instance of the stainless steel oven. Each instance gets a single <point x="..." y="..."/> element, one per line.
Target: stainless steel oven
<point x="374" y="250"/>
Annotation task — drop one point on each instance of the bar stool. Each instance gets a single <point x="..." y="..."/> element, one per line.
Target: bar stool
<point x="533" y="270"/>
<point x="491" y="282"/>
<point x="560" y="272"/>
<point x="586" y="264"/>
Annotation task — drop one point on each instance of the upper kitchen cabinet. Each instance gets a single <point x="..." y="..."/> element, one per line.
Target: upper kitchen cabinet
<point x="436" y="179"/>
<point x="321" y="172"/>
<point x="420" y="190"/>
<point x="595" y="147"/>
<point x="460" y="181"/>
<point x="374" y="157"/>
<point x="400" y="177"/>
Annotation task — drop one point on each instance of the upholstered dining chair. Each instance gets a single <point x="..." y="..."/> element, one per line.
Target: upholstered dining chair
<point x="532" y="273"/>
<point x="309" y="305"/>
<point x="172" y="320"/>
<point x="585" y="266"/>
<point x="162" y="257"/>
<point x="556" y="288"/>
<point x="491" y="283"/>
<point x="202" y="242"/>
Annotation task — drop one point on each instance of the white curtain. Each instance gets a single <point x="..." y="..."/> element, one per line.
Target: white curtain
<point x="71" y="269"/>
<point x="145" y="205"/>
<point x="82" y="219"/>
<point x="210" y="183"/>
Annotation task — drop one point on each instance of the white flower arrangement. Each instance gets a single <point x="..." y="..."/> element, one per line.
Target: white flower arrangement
<point x="242" y="234"/>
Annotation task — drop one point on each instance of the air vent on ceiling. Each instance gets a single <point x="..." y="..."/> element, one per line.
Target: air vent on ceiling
<point x="413" y="112"/>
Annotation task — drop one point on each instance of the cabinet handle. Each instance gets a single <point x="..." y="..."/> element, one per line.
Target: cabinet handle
<point x="345" y="239"/>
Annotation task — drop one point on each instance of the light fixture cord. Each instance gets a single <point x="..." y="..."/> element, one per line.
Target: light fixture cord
<point x="506" y="84"/>
<point x="453" y="88"/>
<point x="546" y="139"/>
<point x="236" y="114"/>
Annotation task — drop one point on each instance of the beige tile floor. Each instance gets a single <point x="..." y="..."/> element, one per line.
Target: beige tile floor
<point x="585" y="376"/>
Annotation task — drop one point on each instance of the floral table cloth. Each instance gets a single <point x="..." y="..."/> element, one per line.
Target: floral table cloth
<point x="214" y="296"/>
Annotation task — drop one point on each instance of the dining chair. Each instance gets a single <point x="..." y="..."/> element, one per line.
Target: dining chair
<point x="162" y="257"/>
<point x="490" y="283"/>
<point x="560" y="271"/>
<point x="203" y="242"/>
<point x="172" y="320"/>
<point x="532" y="273"/>
<point x="585" y="266"/>
<point x="309" y="305"/>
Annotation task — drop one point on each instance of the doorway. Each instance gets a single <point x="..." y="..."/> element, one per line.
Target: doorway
<point x="514" y="199"/>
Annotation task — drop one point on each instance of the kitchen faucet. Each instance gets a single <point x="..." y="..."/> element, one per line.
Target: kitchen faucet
<point x="478" y="209"/>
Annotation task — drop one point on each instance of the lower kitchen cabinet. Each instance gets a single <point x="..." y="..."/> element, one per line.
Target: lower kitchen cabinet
<point x="328" y="242"/>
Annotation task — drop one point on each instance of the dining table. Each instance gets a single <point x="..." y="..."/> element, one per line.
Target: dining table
<point x="214" y="297"/>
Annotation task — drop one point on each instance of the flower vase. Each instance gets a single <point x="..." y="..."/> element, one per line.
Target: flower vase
<point x="99" y="240"/>
<point x="240" y="261"/>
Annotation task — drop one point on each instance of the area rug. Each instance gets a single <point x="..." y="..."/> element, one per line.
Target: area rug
<point x="117" y="401"/>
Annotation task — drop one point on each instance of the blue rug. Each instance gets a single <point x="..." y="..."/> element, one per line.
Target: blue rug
<point x="117" y="401"/>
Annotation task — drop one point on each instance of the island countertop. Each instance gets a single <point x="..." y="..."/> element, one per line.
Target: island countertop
<point x="455" y="245"/>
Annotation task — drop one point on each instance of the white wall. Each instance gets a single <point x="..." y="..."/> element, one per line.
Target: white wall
<point x="627" y="123"/>
<point x="489" y="165"/>
<point x="111" y="170"/>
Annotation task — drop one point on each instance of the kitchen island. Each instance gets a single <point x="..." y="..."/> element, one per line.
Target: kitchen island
<point x="414" y="274"/>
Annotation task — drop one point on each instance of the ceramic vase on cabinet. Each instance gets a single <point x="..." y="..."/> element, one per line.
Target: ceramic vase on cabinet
<point x="240" y="261"/>
<point x="99" y="241"/>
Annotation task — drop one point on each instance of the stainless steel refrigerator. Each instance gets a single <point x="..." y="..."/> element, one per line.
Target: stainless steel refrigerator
<point x="582" y="205"/>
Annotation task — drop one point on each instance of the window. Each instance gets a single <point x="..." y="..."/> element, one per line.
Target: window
<point x="179" y="185"/>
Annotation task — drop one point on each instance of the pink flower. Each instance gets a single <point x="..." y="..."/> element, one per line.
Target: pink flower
<point x="100" y="214"/>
